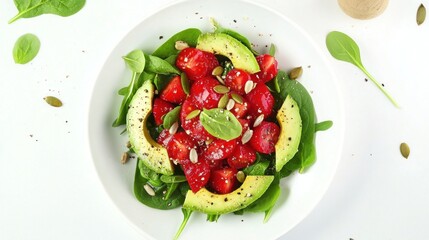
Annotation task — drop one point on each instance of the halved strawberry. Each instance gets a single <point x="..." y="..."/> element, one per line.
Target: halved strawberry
<point x="203" y="94"/>
<point x="244" y="125"/>
<point x="220" y="149"/>
<point x="240" y="109"/>
<point x="160" y="108"/>
<point x="196" y="63"/>
<point x="265" y="137"/>
<point x="164" y="137"/>
<point x="223" y="180"/>
<point x="243" y="156"/>
<point x="268" y="66"/>
<point x="197" y="174"/>
<point x="179" y="147"/>
<point x="193" y="127"/>
<point x="236" y="80"/>
<point x="261" y="101"/>
<point x="173" y="92"/>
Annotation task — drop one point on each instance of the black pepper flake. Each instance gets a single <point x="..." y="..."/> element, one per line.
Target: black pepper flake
<point x="366" y="79"/>
<point x="196" y="13"/>
<point x="382" y="84"/>
<point x="226" y="199"/>
<point x="235" y="21"/>
<point x="289" y="138"/>
<point x="161" y="37"/>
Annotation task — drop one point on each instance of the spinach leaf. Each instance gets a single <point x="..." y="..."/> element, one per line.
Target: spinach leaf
<point x="260" y="166"/>
<point x="186" y="85"/>
<point x="33" y="8"/>
<point x="344" y="48"/>
<point x="168" y="48"/>
<point x="220" y="123"/>
<point x="267" y="201"/>
<point x="161" y="81"/>
<point x="26" y="48"/>
<point x="186" y="215"/>
<point x="171" y="59"/>
<point x="171" y="188"/>
<point x="272" y="51"/>
<point x="135" y="61"/>
<point x="158" y="201"/>
<point x="213" y="217"/>
<point x="306" y="155"/>
<point x="171" y="117"/>
<point x="159" y="65"/>
<point x="173" y="178"/>
<point x="323" y="126"/>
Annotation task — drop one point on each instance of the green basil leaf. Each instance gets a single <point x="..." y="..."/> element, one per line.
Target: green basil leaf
<point x="171" y="117"/>
<point x="323" y="126"/>
<point x="220" y="123"/>
<point x="168" y="48"/>
<point x="33" y="8"/>
<point x="135" y="61"/>
<point x="344" y="48"/>
<point x="159" y="65"/>
<point x="26" y="48"/>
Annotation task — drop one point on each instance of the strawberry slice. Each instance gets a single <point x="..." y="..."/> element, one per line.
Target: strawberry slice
<point x="160" y="108"/>
<point x="265" y="137"/>
<point x="173" y="92"/>
<point x="164" y="137"/>
<point x="203" y="94"/>
<point x="261" y="101"/>
<point x="220" y="149"/>
<point x="179" y="147"/>
<point x="236" y="80"/>
<point x="268" y="65"/>
<point x="196" y="63"/>
<point x="243" y="156"/>
<point x="223" y="180"/>
<point x="197" y="174"/>
<point x="193" y="127"/>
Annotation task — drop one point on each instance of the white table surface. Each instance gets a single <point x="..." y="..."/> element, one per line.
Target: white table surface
<point x="48" y="185"/>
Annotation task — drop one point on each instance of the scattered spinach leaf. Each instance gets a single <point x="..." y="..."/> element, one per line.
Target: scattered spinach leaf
<point x="267" y="201"/>
<point x="135" y="61"/>
<point x="159" y="65"/>
<point x="323" y="126"/>
<point x="171" y="188"/>
<point x="171" y="59"/>
<point x="34" y="8"/>
<point x="186" y="215"/>
<point x="260" y="166"/>
<point x="26" y="48"/>
<point x="344" y="48"/>
<point x="171" y="117"/>
<point x="220" y="123"/>
<point x="167" y="49"/>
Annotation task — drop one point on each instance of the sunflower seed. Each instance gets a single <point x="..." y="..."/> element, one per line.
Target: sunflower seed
<point x="149" y="190"/>
<point x="193" y="156"/>
<point x="180" y="45"/>
<point x="193" y="114"/>
<point x="221" y="89"/>
<point x="248" y="86"/>
<point x="230" y="104"/>
<point x="241" y="176"/>
<point x="237" y="98"/>
<point x="219" y="78"/>
<point x="217" y="71"/>
<point x="53" y="101"/>
<point x="223" y="101"/>
<point x="247" y="136"/>
<point x="405" y="150"/>
<point x="173" y="128"/>
<point x="258" y="120"/>
<point x="124" y="158"/>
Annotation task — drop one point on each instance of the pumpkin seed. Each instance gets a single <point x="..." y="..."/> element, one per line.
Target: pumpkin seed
<point x="237" y="98"/>
<point x="53" y="101"/>
<point x="223" y="101"/>
<point x="421" y="14"/>
<point x="221" y="89"/>
<point x="241" y="176"/>
<point x="295" y="73"/>
<point x="217" y="71"/>
<point x="180" y="45"/>
<point x="193" y="114"/>
<point x="405" y="150"/>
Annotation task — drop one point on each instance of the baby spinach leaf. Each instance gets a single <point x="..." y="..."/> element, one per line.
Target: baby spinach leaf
<point x="220" y="123"/>
<point x="213" y="217"/>
<point x="344" y="48"/>
<point x="171" y="188"/>
<point x="159" y="65"/>
<point x="173" y="178"/>
<point x="186" y="215"/>
<point x="26" y="48"/>
<point x="158" y="201"/>
<point x="135" y="61"/>
<point x="267" y="201"/>
<point x="168" y="48"/>
<point x="171" y="59"/>
<point x="260" y="166"/>
<point x="323" y="126"/>
<point x="33" y="8"/>
<point x="171" y="117"/>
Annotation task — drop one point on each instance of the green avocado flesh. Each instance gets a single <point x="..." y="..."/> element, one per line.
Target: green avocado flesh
<point x="207" y="202"/>
<point x="225" y="45"/>
<point x="290" y="132"/>
<point x="149" y="151"/>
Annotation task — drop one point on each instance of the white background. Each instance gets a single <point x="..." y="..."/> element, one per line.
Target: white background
<point x="48" y="185"/>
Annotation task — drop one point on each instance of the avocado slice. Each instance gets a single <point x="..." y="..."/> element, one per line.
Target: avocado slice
<point x="207" y="202"/>
<point x="223" y="44"/>
<point x="290" y="132"/>
<point x="153" y="155"/>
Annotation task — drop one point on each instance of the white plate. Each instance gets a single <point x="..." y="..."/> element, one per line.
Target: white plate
<point x="301" y="192"/>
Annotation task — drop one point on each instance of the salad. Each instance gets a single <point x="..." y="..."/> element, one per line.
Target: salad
<point x="214" y="124"/>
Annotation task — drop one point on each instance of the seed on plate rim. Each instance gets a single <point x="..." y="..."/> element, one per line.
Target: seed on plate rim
<point x="237" y="98"/>
<point x="248" y="87"/>
<point x="53" y="101"/>
<point x="217" y="71"/>
<point x="149" y="190"/>
<point x="180" y="45"/>
<point x="230" y="104"/>
<point x="258" y="120"/>
<point x="221" y="89"/>
<point x="124" y="158"/>
<point x="173" y="128"/>
<point x="247" y="136"/>
<point x="193" y="156"/>
<point x="193" y="114"/>
<point x="405" y="150"/>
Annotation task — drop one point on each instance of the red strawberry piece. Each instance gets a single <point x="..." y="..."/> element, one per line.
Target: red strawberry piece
<point x="173" y="92"/>
<point x="196" y="63"/>
<point x="203" y="94"/>
<point x="223" y="181"/>
<point x="268" y="66"/>
<point x="197" y="174"/>
<point x="179" y="147"/>
<point x="265" y="137"/>
<point x="261" y="101"/>
<point x="236" y="80"/>
<point x="243" y="156"/>
<point x="160" y="108"/>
